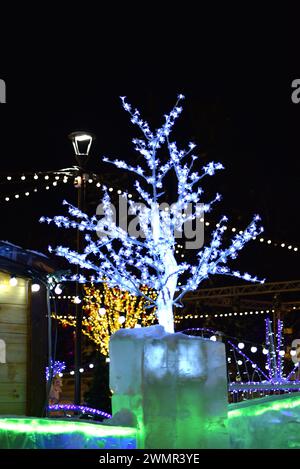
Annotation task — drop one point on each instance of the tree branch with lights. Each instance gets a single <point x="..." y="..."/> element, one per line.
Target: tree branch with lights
<point x="130" y="263"/>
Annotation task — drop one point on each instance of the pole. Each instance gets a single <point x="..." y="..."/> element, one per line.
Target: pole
<point x="78" y="307"/>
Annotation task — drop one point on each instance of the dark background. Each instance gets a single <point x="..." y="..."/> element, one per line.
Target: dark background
<point x="242" y="117"/>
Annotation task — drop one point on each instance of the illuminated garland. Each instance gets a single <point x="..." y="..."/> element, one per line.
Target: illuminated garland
<point x="80" y="408"/>
<point x="109" y="309"/>
<point x="67" y="176"/>
<point x="181" y="317"/>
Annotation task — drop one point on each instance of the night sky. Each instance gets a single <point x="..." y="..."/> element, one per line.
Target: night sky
<point x="247" y="121"/>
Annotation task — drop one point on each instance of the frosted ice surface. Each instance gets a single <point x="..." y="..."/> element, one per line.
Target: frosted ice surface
<point x="267" y="423"/>
<point x="176" y="385"/>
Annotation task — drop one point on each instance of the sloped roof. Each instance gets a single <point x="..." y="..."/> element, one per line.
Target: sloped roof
<point x="23" y="262"/>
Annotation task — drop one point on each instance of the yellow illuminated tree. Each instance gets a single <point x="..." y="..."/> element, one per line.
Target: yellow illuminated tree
<point x="106" y="310"/>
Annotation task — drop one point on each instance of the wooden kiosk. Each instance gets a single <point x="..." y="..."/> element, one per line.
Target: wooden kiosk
<point x="24" y="318"/>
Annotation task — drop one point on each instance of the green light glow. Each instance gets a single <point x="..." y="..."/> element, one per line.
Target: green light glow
<point x="261" y="408"/>
<point x="267" y="423"/>
<point x="57" y="427"/>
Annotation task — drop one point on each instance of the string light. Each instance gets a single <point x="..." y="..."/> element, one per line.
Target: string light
<point x="78" y="408"/>
<point x="58" y="290"/>
<point x="13" y="281"/>
<point x="268" y="242"/>
<point x="107" y="310"/>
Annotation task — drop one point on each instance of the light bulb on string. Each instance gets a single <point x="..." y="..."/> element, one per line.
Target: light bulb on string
<point x="13" y="281"/>
<point x="58" y="289"/>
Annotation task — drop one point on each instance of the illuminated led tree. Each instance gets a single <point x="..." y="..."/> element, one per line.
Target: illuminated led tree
<point x="129" y="262"/>
<point x="109" y="309"/>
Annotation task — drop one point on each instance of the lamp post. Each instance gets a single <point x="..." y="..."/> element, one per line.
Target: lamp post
<point x="82" y="142"/>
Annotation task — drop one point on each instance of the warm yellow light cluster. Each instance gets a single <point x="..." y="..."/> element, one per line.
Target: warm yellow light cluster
<point x="106" y="310"/>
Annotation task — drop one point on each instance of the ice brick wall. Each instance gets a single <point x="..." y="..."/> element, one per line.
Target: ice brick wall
<point x="272" y="422"/>
<point x="174" y="385"/>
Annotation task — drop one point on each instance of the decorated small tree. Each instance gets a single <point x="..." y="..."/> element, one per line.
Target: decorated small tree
<point x="123" y="260"/>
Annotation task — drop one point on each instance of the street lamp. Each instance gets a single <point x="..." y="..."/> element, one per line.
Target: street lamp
<point x="82" y="142"/>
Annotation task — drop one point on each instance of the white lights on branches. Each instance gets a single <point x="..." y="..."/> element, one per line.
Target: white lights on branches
<point x="130" y="263"/>
<point x="35" y="287"/>
<point x="241" y="345"/>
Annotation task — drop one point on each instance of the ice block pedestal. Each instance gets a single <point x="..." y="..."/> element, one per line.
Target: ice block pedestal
<point x="173" y="385"/>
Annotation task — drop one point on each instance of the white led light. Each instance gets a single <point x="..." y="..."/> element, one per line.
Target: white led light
<point x="253" y="349"/>
<point x="13" y="282"/>
<point x="241" y="345"/>
<point x="58" y="290"/>
<point x="102" y="311"/>
<point x="121" y="319"/>
<point x="35" y="287"/>
<point x="91" y="365"/>
<point x="213" y="338"/>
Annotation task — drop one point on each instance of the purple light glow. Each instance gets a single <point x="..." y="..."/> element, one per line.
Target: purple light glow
<point x="80" y="408"/>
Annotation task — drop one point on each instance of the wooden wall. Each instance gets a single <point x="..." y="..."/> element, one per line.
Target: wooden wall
<point x="14" y="321"/>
